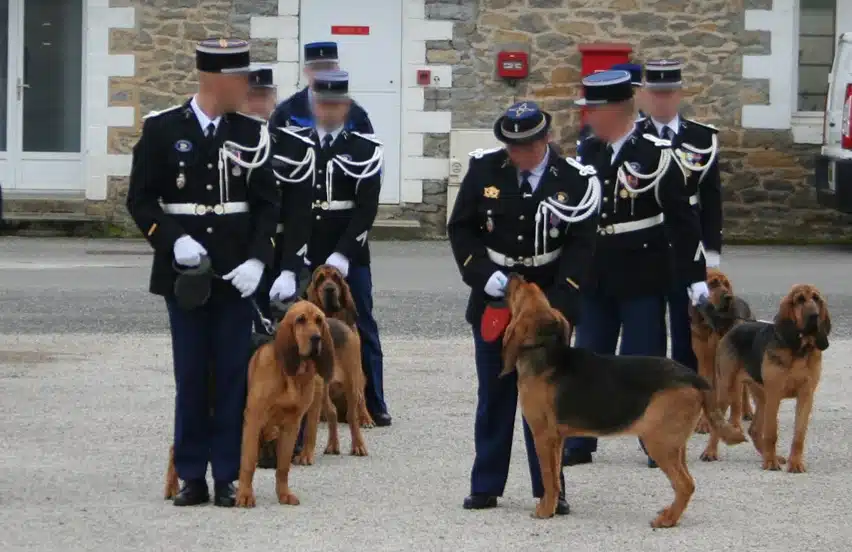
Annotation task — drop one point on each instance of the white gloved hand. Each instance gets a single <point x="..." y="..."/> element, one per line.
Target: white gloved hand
<point x="696" y="291"/>
<point x="284" y="287"/>
<point x="246" y="277"/>
<point x="712" y="259"/>
<point x="339" y="262"/>
<point x="496" y="284"/>
<point x="188" y="252"/>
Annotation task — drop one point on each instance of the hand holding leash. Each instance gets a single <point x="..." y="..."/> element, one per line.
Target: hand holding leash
<point x="246" y="277"/>
<point x="496" y="285"/>
<point x="284" y="286"/>
<point x="339" y="262"/>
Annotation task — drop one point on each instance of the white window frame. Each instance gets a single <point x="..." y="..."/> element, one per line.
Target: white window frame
<point x="807" y="126"/>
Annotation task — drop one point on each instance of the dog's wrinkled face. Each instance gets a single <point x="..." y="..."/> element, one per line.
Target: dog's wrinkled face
<point x="307" y="323"/>
<point x="330" y="292"/>
<point x="303" y="341"/>
<point x="721" y="291"/>
<point x="806" y="309"/>
<point x="520" y="293"/>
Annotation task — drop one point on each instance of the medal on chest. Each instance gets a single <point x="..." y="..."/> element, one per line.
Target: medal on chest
<point x="489" y="224"/>
<point x="180" y="181"/>
<point x="182" y="146"/>
<point x="237" y="171"/>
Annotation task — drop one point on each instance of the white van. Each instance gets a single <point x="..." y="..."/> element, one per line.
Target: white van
<point x="834" y="164"/>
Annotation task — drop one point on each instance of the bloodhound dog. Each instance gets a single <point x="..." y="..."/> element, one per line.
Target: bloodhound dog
<point x="329" y="291"/>
<point x="566" y="392"/>
<point x="729" y="310"/>
<point x="285" y="382"/>
<point x="776" y="360"/>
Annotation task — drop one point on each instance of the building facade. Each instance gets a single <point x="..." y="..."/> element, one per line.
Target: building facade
<point x="76" y="77"/>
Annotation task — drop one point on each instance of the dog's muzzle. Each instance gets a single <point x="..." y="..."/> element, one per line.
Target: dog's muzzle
<point x="331" y="299"/>
<point x="192" y="285"/>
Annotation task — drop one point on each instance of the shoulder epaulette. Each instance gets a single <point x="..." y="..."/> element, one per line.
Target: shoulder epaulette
<point x="161" y="112"/>
<point x="659" y="142"/>
<point x="708" y="126"/>
<point x="294" y="131"/>
<point x="252" y="117"/>
<point x="369" y="137"/>
<point x="480" y="153"/>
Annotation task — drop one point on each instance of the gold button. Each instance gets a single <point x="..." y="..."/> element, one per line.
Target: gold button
<point x="319" y="186"/>
<point x="605" y="199"/>
<point x="520" y="238"/>
<point x="209" y="165"/>
<point x="318" y="217"/>
<point x="603" y="215"/>
<point x="488" y="212"/>
<point x="210" y="186"/>
<point x="209" y="230"/>
<point x="521" y="217"/>
<point x="606" y="182"/>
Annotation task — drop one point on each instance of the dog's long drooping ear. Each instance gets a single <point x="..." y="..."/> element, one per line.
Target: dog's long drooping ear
<point x="346" y="300"/>
<point x="824" y="326"/>
<point x="325" y="362"/>
<point x="787" y="310"/>
<point x="286" y="348"/>
<point x="311" y="292"/>
<point x="512" y="340"/>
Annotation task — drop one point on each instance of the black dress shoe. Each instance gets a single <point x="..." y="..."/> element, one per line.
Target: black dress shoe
<point x="479" y="502"/>
<point x="193" y="493"/>
<point x="382" y="420"/>
<point x="575" y="458"/>
<point x="225" y="495"/>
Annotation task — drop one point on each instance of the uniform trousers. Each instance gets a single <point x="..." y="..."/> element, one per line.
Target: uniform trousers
<point x="217" y="337"/>
<point x="641" y="321"/>
<point x="494" y="427"/>
<point x="679" y="325"/>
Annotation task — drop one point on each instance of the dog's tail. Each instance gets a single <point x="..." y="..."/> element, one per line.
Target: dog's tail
<point x="728" y="433"/>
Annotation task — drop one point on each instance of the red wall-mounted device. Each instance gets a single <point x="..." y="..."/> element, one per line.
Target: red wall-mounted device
<point x="513" y="65"/>
<point x="424" y="77"/>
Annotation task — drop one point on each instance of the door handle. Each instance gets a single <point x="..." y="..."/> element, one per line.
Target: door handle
<point x="21" y="86"/>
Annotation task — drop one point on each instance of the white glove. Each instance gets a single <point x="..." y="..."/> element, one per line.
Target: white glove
<point x="496" y="284"/>
<point x="246" y="277"/>
<point x="339" y="262"/>
<point x="712" y="259"/>
<point x="284" y="287"/>
<point x="696" y="291"/>
<point x="188" y="252"/>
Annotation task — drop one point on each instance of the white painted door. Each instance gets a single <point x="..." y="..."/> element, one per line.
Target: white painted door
<point x="44" y="95"/>
<point x="369" y="37"/>
<point x="8" y="28"/>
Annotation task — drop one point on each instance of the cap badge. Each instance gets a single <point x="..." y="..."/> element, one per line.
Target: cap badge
<point x="520" y="110"/>
<point x="223" y="43"/>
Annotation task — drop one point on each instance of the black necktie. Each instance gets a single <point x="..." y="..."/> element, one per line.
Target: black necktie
<point x="526" y="187"/>
<point x="609" y="152"/>
<point x="210" y="131"/>
<point x="326" y="141"/>
<point x="668" y="133"/>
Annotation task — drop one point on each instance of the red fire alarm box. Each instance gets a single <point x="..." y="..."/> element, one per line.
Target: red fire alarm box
<point x="424" y="77"/>
<point x="512" y="65"/>
<point x="600" y="57"/>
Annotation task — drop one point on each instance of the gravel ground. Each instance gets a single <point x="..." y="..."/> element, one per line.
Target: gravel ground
<point x="86" y="402"/>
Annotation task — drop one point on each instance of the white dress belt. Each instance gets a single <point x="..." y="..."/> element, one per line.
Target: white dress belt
<point x="536" y="260"/>
<point x="334" y="205"/>
<point x="227" y="208"/>
<point x="631" y="226"/>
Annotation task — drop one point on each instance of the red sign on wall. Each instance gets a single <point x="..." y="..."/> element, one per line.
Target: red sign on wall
<point x="350" y="30"/>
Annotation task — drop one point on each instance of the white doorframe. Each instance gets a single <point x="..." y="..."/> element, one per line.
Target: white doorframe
<point x="9" y="159"/>
<point x="37" y="171"/>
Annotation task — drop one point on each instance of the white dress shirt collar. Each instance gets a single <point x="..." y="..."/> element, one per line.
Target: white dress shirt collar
<point x="537" y="172"/>
<point x="202" y="117"/>
<point x="674" y="124"/>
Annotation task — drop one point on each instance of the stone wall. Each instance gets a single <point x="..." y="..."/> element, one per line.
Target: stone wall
<point x="767" y="179"/>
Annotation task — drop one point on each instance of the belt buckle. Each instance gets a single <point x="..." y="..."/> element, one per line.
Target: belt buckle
<point x="200" y="209"/>
<point x="324" y="205"/>
<point x="510" y="262"/>
<point x="219" y="209"/>
<point x="610" y="229"/>
<point x="528" y="261"/>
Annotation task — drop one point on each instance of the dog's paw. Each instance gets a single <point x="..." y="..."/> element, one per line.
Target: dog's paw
<point x="245" y="498"/>
<point x="288" y="499"/>
<point x="368" y="423"/>
<point x="332" y="448"/>
<point x="709" y="455"/>
<point x="665" y="519"/>
<point x="171" y="490"/>
<point x="542" y="512"/>
<point x="796" y="465"/>
<point x="304" y="458"/>
<point x="359" y="449"/>
<point x="773" y="464"/>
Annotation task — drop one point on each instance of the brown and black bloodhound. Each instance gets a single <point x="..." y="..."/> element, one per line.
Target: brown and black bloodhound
<point x="566" y="392"/>
<point x="729" y="310"/>
<point x="286" y="379"/>
<point x="329" y="291"/>
<point x="777" y="360"/>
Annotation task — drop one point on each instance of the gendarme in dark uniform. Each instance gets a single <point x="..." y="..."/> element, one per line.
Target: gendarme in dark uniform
<point x="696" y="150"/>
<point x="296" y="110"/>
<point x="341" y="202"/>
<point x="493" y="232"/>
<point x="635" y="71"/>
<point x="644" y="206"/>
<point x="200" y="188"/>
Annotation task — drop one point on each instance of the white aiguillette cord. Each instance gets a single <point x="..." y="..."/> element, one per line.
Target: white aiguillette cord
<point x="586" y="207"/>
<point x="307" y="164"/>
<point x="226" y="153"/>
<point x="368" y="168"/>
<point x="713" y="151"/>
